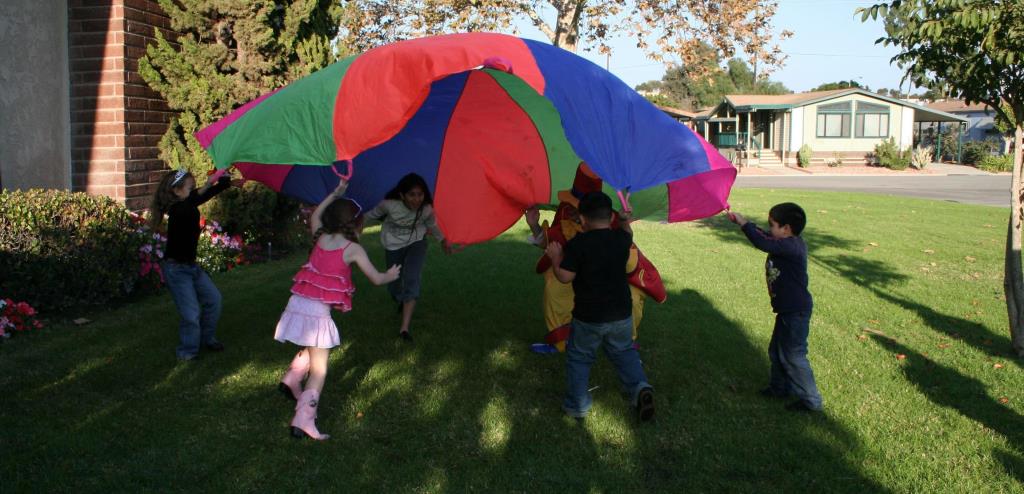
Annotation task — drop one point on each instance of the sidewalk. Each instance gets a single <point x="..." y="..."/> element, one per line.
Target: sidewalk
<point x="935" y="169"/>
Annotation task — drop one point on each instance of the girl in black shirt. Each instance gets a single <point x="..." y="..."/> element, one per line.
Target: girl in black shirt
<point x="195" y="295"/>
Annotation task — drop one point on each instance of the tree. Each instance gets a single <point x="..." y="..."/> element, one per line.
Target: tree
<point x="661" y="100"/>
<point x="693" y="88"/>
<point x="229" y="52"/>
<point x="667" y="30"/>
<point x="975" y="47"/>
<point x="838" y="85"/>
<point x="936" y="91"/>
<point x="1005" y="123"/>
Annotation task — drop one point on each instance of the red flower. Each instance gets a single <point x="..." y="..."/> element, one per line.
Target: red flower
<point x="202" y="222"/>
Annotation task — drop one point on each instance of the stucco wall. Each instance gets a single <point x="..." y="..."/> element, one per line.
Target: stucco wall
<point x="34" y="114"/>
<point x="852" y="143"/>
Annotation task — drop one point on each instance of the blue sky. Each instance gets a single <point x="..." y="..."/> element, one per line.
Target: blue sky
<point x="829" y="44"/>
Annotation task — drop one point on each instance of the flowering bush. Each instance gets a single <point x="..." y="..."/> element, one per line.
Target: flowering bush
<point x="17" y="316"/>
<point x="217" y="250"/>
<point x="63" y="250"/>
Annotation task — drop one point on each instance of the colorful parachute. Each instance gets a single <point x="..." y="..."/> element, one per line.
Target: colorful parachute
<point x="494" y="123"/>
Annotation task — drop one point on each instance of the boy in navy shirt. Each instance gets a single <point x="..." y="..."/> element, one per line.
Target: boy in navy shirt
<point x="602" y="315"/>
<point x="786" y="273"/>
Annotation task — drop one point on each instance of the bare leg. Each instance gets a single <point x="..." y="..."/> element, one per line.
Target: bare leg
<point x="317" y="368"/>
<point x="407" y="308"/>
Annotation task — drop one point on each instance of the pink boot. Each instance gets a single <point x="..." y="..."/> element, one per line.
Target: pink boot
<point x="291" y="383"/>
<point x="304" y="421"/>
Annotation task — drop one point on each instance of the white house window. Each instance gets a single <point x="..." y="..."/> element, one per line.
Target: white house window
<point x="872" y="120"/>
<point x="834" y="120"/>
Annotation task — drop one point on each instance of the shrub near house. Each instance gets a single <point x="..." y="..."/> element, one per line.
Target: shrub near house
<point x="61" y="250"/>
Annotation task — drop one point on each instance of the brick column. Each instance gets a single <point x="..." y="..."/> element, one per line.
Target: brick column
<point x="116" y="120"/>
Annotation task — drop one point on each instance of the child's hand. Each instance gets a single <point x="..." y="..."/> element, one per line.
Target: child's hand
<point x="393" y="273"/>
<point x="625" y="216"/>
<point x="215" y="175"/>
<point x="736" y="218"/>
<point x="342" y="186"/>
<point x="554" y="251"/>
<point x="533" y="216"/>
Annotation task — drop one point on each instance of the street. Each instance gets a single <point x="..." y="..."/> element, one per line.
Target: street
<point x="989" y="190"/>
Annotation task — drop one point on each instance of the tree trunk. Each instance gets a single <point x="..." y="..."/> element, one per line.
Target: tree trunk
<point x="1013" y="281"/>
<point x="567" y="26"/>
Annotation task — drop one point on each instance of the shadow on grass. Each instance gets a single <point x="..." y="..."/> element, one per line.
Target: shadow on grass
<point x="949" y="388"/>
<point x="466" y="407"/>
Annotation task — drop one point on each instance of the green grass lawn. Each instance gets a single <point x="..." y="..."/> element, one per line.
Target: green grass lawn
<point x="468" y="408"/>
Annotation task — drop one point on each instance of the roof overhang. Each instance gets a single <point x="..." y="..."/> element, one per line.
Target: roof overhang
<point x="925" y="114"/>
<point x="750" y="108"/>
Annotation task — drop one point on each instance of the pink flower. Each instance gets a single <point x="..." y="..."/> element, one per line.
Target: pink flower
<point x="26" y="309"/>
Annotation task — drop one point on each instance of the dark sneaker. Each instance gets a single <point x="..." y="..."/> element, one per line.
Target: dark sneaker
<point x="188" y="358"/>
<point x="800" y="406"/>
<point x="405" y="335"/>
<point x="645" y="404"/>
<point x="770" y="393"/>
<point x="215" y="346"/>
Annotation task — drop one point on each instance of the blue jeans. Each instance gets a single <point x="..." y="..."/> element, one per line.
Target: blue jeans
<point x="411" y="258"/>
<point x="791" y="372"/>
<point x="581" y="351"/>
<point x="198" y="302"/>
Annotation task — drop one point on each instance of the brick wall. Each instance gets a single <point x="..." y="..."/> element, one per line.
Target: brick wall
<point x="116" y="120"/>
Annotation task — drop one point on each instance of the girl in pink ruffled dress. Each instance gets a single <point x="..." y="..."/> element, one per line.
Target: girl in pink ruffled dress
<point x="322" y="283"/>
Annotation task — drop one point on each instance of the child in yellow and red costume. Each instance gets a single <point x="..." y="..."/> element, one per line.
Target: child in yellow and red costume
<point x="644" y="278"/>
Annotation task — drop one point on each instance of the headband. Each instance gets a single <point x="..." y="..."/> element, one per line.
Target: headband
<point x="180" y="174"/>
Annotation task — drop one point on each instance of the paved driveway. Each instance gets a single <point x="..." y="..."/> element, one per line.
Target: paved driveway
<point x="989" y="190"/>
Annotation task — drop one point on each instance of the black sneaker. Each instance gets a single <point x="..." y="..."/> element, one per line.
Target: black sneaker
<point x="405" y="335"/>
<point x="215" y="346"/>
<point x="645" y="404"/>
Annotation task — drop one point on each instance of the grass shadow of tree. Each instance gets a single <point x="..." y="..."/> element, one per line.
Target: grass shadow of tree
<point x="949" y="388"/>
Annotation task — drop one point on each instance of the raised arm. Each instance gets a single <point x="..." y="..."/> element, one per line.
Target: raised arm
<point x="206" y="192"/>
<point x="624" y="218"/>
<point x="765" y="242"/>
<point x="357" y="255"/>
<point x="537" y="236"/>
<point x="314" y="219"/>
<point x="554" y="251"/>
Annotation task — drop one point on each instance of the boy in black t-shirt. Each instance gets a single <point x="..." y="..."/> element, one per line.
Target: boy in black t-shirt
<point x="786" y="273"/>
<point x="594" y="262"/>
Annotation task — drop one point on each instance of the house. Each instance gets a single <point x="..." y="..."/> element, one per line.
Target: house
<point x="846" y="124"/>
<point x="684" y="117"/>
<point x="981" y="120"/>
<point x="76" y="114"/>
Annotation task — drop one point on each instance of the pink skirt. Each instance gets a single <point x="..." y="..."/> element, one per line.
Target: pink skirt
<point x="307" y="322"/>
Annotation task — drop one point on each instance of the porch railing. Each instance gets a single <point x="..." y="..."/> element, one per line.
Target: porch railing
<point x="730" y="139"/>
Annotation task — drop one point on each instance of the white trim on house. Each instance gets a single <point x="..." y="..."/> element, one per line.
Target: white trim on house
<point x="907" y="128"/>
<point x="796" y="134"/>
